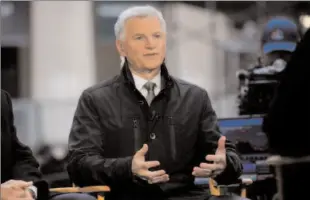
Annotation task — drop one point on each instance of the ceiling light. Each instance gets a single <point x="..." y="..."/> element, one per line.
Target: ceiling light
<point x="305" y="21"/>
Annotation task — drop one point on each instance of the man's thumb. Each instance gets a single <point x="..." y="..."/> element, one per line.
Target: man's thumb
<point x="221" y="144"/>
<point x="143" y="150"/>
<point x="23" y="184"/>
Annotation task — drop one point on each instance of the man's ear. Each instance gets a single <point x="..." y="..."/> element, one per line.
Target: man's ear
<point x="120" y="48"/>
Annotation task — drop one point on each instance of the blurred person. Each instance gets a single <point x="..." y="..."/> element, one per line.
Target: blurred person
<point x="287" y="122"/>
<point x="279" y="40"/>
<point x="145" y="133"/>
<point x="20" y="176"/>
<point x="257" y="84"/>
<point x="289" y="110"/>
<point x="286" y="32"/>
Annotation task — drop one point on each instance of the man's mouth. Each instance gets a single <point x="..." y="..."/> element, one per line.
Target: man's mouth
<point x="151" y="54"/>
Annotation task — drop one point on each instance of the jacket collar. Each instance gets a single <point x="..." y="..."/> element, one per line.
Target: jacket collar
<point x="126" y="75"/>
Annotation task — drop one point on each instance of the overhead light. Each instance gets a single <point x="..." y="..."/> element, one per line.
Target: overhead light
<point x="305" y="21"/>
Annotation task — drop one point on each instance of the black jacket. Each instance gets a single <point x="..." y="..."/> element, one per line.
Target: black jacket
<point x="287" y="121"/>
<point x="17" y="161"/>
<point x="113" y="120"/>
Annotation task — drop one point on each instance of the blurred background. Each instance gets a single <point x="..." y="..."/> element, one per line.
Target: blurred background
<point x="52" y="50"/>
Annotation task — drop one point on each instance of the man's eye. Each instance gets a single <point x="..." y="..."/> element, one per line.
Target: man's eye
<point x="138" y="38"/>
<point x="157" y="36"/>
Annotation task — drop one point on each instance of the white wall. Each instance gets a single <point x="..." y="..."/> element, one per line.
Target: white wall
<point x="62" y="61"/>
<point x="195" y="52"/>
<point x="62" y="48"/>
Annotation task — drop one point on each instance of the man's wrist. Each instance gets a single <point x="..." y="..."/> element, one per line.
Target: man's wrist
<point x="33" y="191"/>
<point x="139" y="179"/>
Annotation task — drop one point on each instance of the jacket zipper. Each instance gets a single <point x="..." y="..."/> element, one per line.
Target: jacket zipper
<point x="137" y="136"/>
<point x="172" y="138"/>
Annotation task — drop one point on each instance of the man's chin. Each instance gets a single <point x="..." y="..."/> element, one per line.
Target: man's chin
<point x="152" y="66"/>
<point x="151" y="69"/>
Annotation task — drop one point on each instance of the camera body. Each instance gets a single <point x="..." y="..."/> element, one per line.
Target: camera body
<point x="257" y="86"/>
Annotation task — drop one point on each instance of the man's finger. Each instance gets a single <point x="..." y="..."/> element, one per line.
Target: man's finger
<point x="28" y="193"/>
<point x="21" y="198"/>
<point x="199" y="172"/>
<point x="159" y="179"/>
<point x="20" y="184"/>
<point x="221" y="144"/>
<point x="211" y="167"/>
<point x="19" y="193"/>
<point x="150" y="164"/>
<point x="155" y="173"/>
<point x="215" y="158"/>
<point x="143" y="150"/>
<point x="217" y="172"/>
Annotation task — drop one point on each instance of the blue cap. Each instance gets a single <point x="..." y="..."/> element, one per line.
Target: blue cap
<point x="280" y="34"/>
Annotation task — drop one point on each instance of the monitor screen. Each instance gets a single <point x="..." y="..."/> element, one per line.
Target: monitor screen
<point x="246" y="134"/>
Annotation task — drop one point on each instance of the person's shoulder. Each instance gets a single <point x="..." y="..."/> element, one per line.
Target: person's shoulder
<point x="4" y="93"/>
<point x="6" y="103"/>
<point x="102" y="87"/>
<point x="5" y="96"/>
<point x="188" y="86"/>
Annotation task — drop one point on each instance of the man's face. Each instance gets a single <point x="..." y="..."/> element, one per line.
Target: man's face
<point x="144" y="43"/>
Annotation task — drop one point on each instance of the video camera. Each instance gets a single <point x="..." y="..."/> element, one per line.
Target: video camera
<point x="257" y="84"/>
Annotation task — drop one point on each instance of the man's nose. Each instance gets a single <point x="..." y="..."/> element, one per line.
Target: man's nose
<point x="150" y="43"/>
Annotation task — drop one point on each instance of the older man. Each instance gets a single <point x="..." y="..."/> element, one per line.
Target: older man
<point x="145" y="133"/>
<point x="20" y="176"/>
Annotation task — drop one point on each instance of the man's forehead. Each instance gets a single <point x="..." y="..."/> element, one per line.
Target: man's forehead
<point x="143" y="24"/>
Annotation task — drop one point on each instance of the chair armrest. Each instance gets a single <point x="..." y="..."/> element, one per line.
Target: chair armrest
<point x="88" y="189"/>
<point x="219" y="190"/>
<point x="277" y="160"/>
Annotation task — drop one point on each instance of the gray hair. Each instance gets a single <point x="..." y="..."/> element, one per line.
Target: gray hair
<point x="136" y="11"/>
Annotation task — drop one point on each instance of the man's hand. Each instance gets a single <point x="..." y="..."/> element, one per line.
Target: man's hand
<point x="141" y="168"/>
<point x="218" y="165"/>
<point x="15" y="190"/>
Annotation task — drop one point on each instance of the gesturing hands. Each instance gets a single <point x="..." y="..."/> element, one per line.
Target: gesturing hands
<point x="140" y="168"/>
<point x="218" y="165"/>
<point x="15" y="190"/>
